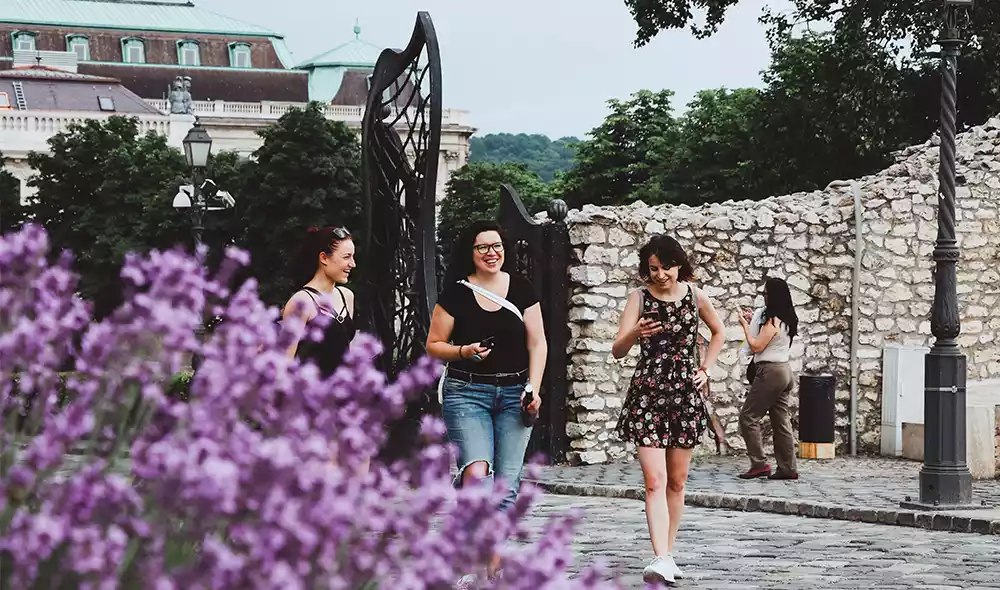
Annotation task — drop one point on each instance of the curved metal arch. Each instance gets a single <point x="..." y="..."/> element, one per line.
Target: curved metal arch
<point x="401" y="141"/>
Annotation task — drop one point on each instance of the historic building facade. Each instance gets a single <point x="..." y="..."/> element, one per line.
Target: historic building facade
<point x="183" y="62"/>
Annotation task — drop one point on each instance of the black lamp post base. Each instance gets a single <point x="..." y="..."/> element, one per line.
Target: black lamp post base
<point x="953" y="484"/>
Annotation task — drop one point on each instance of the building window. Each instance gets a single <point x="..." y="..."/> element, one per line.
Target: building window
<point x="106" y="103"/>
<point x="188" y="54"/>
<point x="79" y="45"/>
<point x="133" y="50"/>
<point x="4" y="101"/>
<point x="24" y="41"/>
<point x="239" y="55"/>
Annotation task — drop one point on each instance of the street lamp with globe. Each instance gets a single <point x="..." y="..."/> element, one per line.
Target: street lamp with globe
<point x="197" y="149"/>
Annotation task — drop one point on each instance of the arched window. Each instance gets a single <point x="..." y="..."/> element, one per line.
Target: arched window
<point x="80" y="45"/>
<point x="188" y="53"/>
<point x="23" y="41"/>
<point x="239" y="55"/>
<point x="133" y="50"/>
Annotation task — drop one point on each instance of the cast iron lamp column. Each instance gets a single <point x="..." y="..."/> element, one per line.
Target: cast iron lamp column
<point x="197" y="148"/>
<point x="945" y="480"/>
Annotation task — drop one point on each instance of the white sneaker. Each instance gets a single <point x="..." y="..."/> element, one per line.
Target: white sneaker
<point x="661" y="569"/>
<point x="468" y="582"/>
<point x="677" y="571"/>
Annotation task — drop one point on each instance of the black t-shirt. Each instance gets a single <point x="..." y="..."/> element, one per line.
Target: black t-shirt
<point x="473" y="324"/>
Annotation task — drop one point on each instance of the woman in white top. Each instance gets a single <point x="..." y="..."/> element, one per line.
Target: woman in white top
<point x="769" y="334"/>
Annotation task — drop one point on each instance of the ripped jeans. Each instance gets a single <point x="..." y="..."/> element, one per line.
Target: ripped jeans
<point x="484" y="423"/>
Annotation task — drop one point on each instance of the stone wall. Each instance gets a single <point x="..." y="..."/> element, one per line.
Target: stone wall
<point x="809" y="240"/>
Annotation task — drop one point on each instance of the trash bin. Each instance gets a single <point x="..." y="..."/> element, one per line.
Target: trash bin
<point x="817" y="398"/>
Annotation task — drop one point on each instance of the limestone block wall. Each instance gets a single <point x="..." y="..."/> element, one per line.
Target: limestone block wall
<point x="809" y="240"/>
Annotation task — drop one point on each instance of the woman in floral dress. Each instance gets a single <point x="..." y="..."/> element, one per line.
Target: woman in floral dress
<point x="664" y="414"/>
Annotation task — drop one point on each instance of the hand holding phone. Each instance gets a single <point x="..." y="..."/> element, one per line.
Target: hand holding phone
<point x="649" y="324"/>
<point x="488" y="342"/>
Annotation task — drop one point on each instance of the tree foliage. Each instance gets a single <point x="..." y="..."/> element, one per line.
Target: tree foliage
<point x="105" y="190"/>
<point x="538" y="153"/>
<point x="307" y="172"/>
<point x="473" y="193"/>
<point x="12" y="214"/>
<point x="622" y="160"/>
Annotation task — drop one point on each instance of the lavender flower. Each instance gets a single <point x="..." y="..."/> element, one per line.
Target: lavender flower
<point x="256" y="481"/>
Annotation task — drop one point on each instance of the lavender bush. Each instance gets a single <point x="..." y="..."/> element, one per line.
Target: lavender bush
<point x="256" y="482"/>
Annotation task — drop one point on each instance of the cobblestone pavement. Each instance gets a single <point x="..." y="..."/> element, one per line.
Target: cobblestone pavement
<point x="865" y="488"/>
<point x="726" y="550"/>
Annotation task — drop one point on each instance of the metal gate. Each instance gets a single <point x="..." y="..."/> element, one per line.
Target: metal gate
<point x="401" y="138"/>
<point x="540" y="252"/>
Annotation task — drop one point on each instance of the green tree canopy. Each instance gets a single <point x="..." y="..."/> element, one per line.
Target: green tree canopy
<point x="538" y="153"/>
<point x="12" y="214"/>
<point x="622" y="160"/>
<point x="473" y="193"/>
<point x="307" y="172"/>
<point x="105" y="190"/>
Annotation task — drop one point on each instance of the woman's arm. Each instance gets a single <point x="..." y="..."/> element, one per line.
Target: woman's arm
<point x="711" y="318"/>
<point x="631" y="328"/>
<point x="301" y="306"/>
<point x="538" y="349"/>
<point x="767" y="332"/>
<point x="439" y="335"/>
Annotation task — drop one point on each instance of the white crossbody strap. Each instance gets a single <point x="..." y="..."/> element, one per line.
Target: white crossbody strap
<point x="495" y="299"/>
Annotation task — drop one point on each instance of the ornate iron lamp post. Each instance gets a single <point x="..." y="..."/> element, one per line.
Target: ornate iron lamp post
<point x="945" y="480"/>
<point x="197" y="148"/>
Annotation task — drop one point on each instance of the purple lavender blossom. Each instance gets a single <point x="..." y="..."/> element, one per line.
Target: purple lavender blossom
<point x="257" y="481"/>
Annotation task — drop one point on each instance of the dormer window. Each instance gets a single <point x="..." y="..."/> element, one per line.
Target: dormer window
<point x="188" y="54"/>
<point x="24" y="41"/>
<point x="133" y="50"/>
<point x="239" y="55"/>
<point x="80" y="45"/>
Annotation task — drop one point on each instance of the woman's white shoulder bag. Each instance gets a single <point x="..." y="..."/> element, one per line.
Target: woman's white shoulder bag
<point x="495" y="299"/>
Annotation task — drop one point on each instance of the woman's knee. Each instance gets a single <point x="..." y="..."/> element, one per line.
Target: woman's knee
<point x="676" y="481"/>
<point x="655" y="481"/>
<point x="475" y="471"/>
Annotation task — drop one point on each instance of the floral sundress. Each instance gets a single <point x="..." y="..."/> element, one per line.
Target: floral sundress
<point x="663" y="409"/>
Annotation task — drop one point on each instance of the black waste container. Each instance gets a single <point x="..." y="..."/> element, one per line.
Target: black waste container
<point x="817" y="394"/>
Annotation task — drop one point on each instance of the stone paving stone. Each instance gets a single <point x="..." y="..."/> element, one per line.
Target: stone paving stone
<point x="861" y="489"/>
<point x="728" y="550"/>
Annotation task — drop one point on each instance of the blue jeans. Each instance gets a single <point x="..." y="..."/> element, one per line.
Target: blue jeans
<point x="484" y="422"/>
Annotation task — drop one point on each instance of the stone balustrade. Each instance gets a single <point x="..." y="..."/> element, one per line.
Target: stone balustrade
<point x="274" y="110"/>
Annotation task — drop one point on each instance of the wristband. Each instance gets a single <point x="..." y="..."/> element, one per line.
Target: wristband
<point x="461" y="356"/>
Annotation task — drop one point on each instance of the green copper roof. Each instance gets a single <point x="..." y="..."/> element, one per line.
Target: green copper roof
<point x="354" y="53"/>
<point x="134" y="15"/>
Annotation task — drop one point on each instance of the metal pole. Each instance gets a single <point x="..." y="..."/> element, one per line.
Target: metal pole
<point x="197" y="228"/>
<point x="945" y="479"/>
<point x="198" y="212"/>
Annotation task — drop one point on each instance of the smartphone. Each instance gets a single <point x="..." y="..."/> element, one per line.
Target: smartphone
<point x="652" y="316"/>
<point x="487" y="342"/>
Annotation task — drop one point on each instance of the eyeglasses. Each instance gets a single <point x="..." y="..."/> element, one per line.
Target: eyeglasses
<point x="484" y="249"/>
<point x="341" y="233"/>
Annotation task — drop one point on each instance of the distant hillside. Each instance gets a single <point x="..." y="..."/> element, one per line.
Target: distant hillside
<point x="539" y="153"/>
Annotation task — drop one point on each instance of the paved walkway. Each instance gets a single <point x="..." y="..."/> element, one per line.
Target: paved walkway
<point x="865" y="489"/>
<point x="726" y="550"/>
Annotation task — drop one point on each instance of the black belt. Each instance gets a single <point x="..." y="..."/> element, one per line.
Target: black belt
<point x="499" y="379"/>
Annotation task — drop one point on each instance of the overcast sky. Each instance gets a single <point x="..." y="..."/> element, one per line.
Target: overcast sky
<point x="531" y="66"/>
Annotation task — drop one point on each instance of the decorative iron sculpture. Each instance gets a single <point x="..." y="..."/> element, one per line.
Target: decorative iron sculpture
<point x="401" y="138"/>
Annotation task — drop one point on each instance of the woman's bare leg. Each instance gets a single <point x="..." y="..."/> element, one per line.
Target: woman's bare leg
<point x="658" y="518"/>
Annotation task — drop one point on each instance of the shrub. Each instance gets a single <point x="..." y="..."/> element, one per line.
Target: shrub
<point x="202" y="499"/>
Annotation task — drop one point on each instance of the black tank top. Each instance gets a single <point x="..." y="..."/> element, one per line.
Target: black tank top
<point x="328" y="353"/>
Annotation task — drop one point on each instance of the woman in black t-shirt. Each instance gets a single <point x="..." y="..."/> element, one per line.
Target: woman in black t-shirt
<point x="495" y="356"/>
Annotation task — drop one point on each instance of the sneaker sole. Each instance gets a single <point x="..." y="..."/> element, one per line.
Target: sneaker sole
<point x="653" y="577"/>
